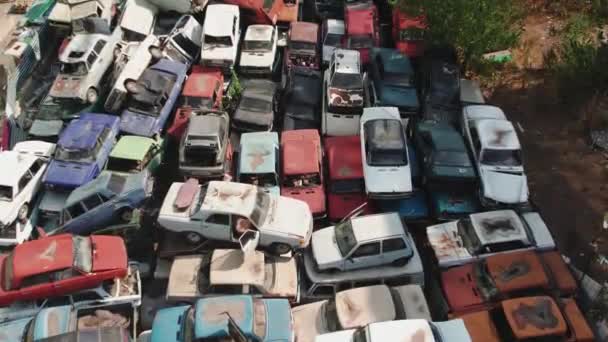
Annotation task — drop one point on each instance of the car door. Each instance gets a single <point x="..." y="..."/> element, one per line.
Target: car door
<point x="215" y="226"/>
<point x="393" y="249"/>
<point x="363" y="256"/>
<point x="98" y="212"/>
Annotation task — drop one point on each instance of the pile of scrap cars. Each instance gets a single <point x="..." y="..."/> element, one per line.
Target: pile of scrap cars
<point x="287" y="170"/>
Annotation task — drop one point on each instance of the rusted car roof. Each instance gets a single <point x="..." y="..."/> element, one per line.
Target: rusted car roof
<point x="480" y="327"/>
<point x="304" y="32"/>
<point x="202" y="82"/>
<point x="360" y="20"/>
<point x="559" y="272"/>
<point x="517" y="271"/>
<point x="577" y="323"/>
<point x="230" y="267"/>
<point x="344" y="157"/>
<point x="534" y="317"/>
<point x="364" y="305"/>
<point x="300" y="151"/>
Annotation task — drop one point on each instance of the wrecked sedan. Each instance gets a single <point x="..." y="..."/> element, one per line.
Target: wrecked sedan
<point x="232" y="271"/>
<point x="256" y="108"/>
<point x="152" y="98"/>
<point x="483" y="234"/>
<point x="301" y="99"/>
<point x="225" y="211"/>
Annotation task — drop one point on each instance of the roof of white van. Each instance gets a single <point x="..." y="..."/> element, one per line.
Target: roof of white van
<point x="215" y="19"/>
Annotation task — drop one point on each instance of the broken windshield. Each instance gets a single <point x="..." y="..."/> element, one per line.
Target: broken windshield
<point x="501" y="157"/>
<point x="345" y="237"/>
<point x="83" y="253"/>
<point x="76" y="155"/>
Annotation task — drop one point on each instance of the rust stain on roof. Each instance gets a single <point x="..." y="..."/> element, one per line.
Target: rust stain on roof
<point x="514" y="270"/>
<point x="539" y="314"/>
<point x="499" y="226"/>
<point x="499" y="136"/>
<point x="225" y="194"/>
<point x="256" y="158"/>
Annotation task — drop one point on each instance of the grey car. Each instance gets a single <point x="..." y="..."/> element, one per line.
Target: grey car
<point x="256" y="108"/>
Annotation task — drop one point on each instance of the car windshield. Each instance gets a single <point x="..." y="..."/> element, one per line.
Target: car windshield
<point x="257" y="45"/>
<point x="202" y="156"/>
<point x="359" y="335"/>
<point x="333" y="39"/>
<point x="452" y="158"/>
<point x="388" y="157"/>
<point x="124" y="165"/>
<point x="83" y="253"/>
<point x="501" y="157"/>
<point x="305" y="180"/>
<point x="331" y="316"/>
<point x="469" y="237"/>
<point x="302" y="46"/>
<point x="255" y="105"/>
<point x="48" y="219"/>
<point x="412" y="33"/>
<point x="385" y="143"/>
<point x="345" y="237"/>
<point x="261" y="208"/>
<point x="398" y="80"/>
<point x="196" y="102"/>
<point x="347" y="81"/>
<point x="260" y="179"/>
<point x="213" y="41"/>
<point x="7" y="273"/>
<point x="75" y="155"/>
<point x="484" y="281"/>
<point x="74" y="69"/>
<point x="360" y="42"/>
<point x="186" y="45"/>
<point x="6" y="193"/>
<point x="59" y="109"/>
<point x="346" y="186"/>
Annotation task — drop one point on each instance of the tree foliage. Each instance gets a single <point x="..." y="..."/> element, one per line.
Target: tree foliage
<point x="475" y="27"/>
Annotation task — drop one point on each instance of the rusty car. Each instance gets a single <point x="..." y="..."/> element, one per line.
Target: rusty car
<point x="259" y="161"/>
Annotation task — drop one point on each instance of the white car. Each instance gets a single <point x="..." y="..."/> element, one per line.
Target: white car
<point x="344" y="94"/>
<point x="183" y="44"/>
<point x="221" y="34"/>
<point x="357" y="308"/>
<point x="137" y="20"/>
<point x="483" y="234"/>
<point x="259" y="49"/>
<point x="20" y="179"/>
<point x="407" y="330"/>
<point x="497" y="155"/>
<point x="333" y="33"/>
<point x="227" y="211"/>
<point x="384" y="153"/>
<point x="69" y="14"/>
<point x="352" y="245"/>
<point x="84" y="62"/>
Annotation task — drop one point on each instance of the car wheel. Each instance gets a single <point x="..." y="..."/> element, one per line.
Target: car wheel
<point x="126" y="215"/>
<point x="155" y="52"/>
<point x="280" y="248"/>
<point x="399" y="262"/>
<point x="22" y="214"/>
<point x="193" y="238"/>
<point x="92" y="95"/>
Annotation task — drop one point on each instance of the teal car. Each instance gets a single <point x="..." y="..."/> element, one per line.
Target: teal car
<point x="14" y="330"/>
<point x="220" y="318"/>
<point x="259" y="160"/>
<point x="133" y="154"/>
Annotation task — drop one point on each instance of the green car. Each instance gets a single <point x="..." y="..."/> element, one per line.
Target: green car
<point x="132" y="154"/>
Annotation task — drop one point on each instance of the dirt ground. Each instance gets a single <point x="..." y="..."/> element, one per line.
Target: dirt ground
<point x="567" y="178"/>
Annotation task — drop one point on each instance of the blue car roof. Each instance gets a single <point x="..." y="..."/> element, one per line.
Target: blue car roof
<point x="258" y="153"/>
<point x="110" y="181"/>
<point x="211" y="321"/>
<point x="83" y="133"/>
<point x="444" y="136"/>
<point x="393" y="60"/>
<point x="278" y="312"/>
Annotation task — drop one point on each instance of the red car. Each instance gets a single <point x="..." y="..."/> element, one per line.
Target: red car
<point x="203" y="89"/>
<point x="59" y="265"/>
<point x="362" y="29"/>
<point x="346" y="189"/>
<point x="480" y="285"/>
<point x="303" y="46"/>
<point x="302" y="176"/>
<point x="408" y="33"/>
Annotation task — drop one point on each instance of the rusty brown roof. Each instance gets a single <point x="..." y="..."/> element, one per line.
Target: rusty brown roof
<point x="517" y="271"/>
<point x="304" y="32"/>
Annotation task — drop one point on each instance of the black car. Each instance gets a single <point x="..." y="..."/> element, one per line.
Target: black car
<point x="301" y="100"/>
<point x="441" y="90"/>
<point x="256" y="107"/>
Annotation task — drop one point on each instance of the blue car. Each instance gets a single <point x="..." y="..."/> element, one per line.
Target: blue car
<point x="82" y="151"/>
<point x="152" y="98"/>
<point x="217" y="318"/>
<point x="392" y="77"/>
<point x="106" y="200"/>
<point x="14" y="330"/>
<point x="259" y="160"/>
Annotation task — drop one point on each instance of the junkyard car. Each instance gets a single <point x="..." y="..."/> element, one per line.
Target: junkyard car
<point x="392" y="82"/>
<point x="203" y="89"/>
<point x="152" y="98"/>
<point x="301" y="99"/>
<point x="303" y="46"/>
<point x="82" y="151"/>
<point x="302" y="169"/>
<point x="69" y="14"/>
<point x="133" y="154"/>
<point x="137" y="20"/>
<point x="333" y="34"/>
<point x="46" y="213"/>
<point x="221" y="36"/>
<point x="103" y="201"/>
<point x="182" y="44"/>
<point x="256" y="108"/>
<point x="405" y="330"/>
<point x="480" y="285"/>
<point x="530" y="318"/>
<point x="441" y="87"/>
<point x="351" y="244"/>
<point x="224" y="211"/>
<point x="20" y="180"/>
<point x="344" y="94"/>
<point x="84" y="63"/>
<point x="408" y="33"/>
<point x="448" y="172"/>
<point x="384" y="152"/>
<point x="362" y="29"/>
<point x="259" y="50"/>
<point x="231" y="271"/>
<point x="483" y="234"/>
<point x="59" y="265"/>
<point x="205" y="150"/>
<point x="225" y="317"/>
<point x="497" y="155"/>
<point x="259" y="160"/>
<point x="358" y="307"/>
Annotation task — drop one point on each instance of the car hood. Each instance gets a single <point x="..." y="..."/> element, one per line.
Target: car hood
<point x="167" y="324"/>
<point x="110" y="253"/>
<point x="69" y="175"/>
<point x="46" y="128"/>
<point x="340" y="205"/>
<point x="138" y="124"/>
<point x="446" y="243"/>
<point x="324" y="247"/>
<point x="400" y="97"/>
<point x="411" y="208"/>
<point x="256" y="59"/>
<point x="309" y="321"/>
<point x="218" y="54"/>
<point x="66" y="86"/>
<point x="387" y="179"/>
<point x="290" y="216"/>
<point x="460" y="288"/>
<point x="8" y="212"/>
<point x="314" y="197"/>
<point x="504" y="187"/>
<point x="447" y="204"/>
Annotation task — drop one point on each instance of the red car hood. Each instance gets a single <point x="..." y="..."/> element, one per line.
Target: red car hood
<point x="460" y="288"/>
<point x="340" y="205"/>
<point x="314" y="197"/>
<point x="110" y="253"/>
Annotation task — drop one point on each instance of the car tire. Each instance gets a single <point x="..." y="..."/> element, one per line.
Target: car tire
<point x="92" y="95"/>
<point x="399" y="262"/>
<point x="23" y="213"/>
<point x="126" y="215"/>
<point x="193" y="238"/>
<point x="280" y="248"/>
